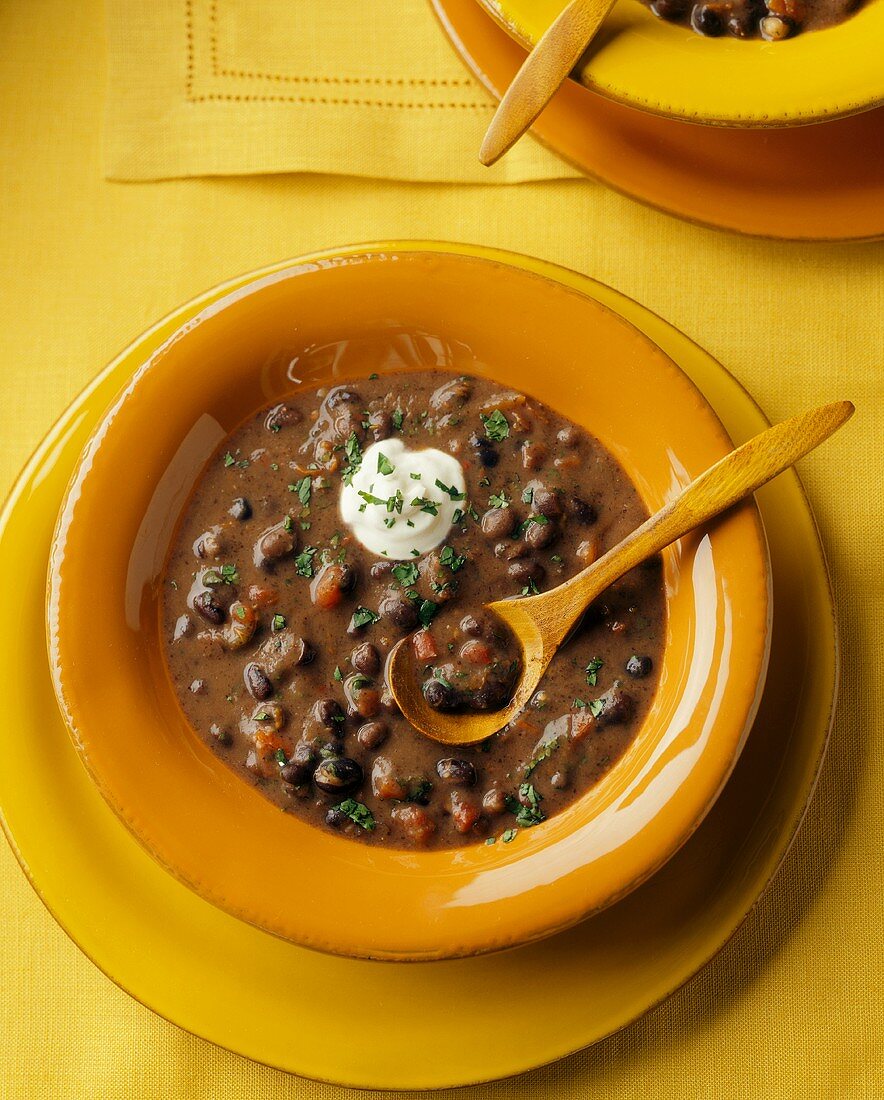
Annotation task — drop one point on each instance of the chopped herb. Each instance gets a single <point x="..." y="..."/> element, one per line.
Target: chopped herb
<point x="354" y="458"/>
<point x="596" y="707"/>
<point x="406" y="573"/>
<point x="415" y="477"/>
<point x="420" y="792"/>
<point x="263" y="716"/>
<point x="305" y="525"/>
<point x="338" y="675"/>
<point x="373" y="376"/>
<point x="227" y="574"/>
<point x="592" y="671"/>
<point x="335" y="540"/>
<point x="555" y="557"/>
<point x="358" y="813"/>
<point x="497" y="427"/>
<point x="491" y="840"/>
<point x="304" y="561"/>
<point x="452" y="492"/>
<point x="370" y="498"/>
<point x="541" y="521"/>
<point x="359" y="682"/>
<point x="288" y="523"/>
<point x="543" y="753"/>
<point x="453" y="560"/>
<point x="281" y="757"/>
<point x="229" y="460"/>
<point x="457" y="516"/>
<point x="395" y="502"/>
<point x="415" y="553"/>
<point x="485" y="482"/>
<point x="243" y="463"/>
<point x="427" y="611"/>
<point x="277" y="623"/>
<point x="274" y="465"/>
<point x="385" y="466"/>
<point x="389" y="521"/>
<point x="527" y="806"/>
<point x="499" y="500"/>
<point x="174" y="584"/>
<point x="530" y="588"/>
<point x="397" y="418"/>
<point x="425" y="505"/>
<point x="528" y="495"/>
<point x="363" y="617"/>
<point x="437" y="675"/>
<point x="580" y="703"/>
<point x="508" y="834"/>
<point x="303" y="487"/>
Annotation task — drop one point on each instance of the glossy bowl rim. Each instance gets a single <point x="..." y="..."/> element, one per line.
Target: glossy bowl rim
<point x="248" y="284"/>
<point x="736" y="116"/>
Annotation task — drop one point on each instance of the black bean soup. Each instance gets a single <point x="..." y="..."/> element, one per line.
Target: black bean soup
<point x="278" y="620"/>
<point x="773" y="20"/>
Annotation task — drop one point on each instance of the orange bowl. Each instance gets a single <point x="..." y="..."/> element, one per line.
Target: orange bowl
<point x="420" y="306"/>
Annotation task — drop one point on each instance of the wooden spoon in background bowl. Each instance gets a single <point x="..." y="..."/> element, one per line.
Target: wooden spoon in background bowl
<point x="544" y="71"/>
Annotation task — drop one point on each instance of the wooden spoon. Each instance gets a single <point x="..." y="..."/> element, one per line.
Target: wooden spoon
<point x="542" y="74"/>
<point x="540" y="623"/>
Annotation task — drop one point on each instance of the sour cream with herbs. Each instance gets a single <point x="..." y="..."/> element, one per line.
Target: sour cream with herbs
<point x="401" y="503"/>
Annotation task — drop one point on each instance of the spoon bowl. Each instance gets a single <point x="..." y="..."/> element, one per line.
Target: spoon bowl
<point x="540" y="623"/>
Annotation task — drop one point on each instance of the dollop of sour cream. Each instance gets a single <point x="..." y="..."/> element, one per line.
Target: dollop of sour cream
<point x="401" y="503"/>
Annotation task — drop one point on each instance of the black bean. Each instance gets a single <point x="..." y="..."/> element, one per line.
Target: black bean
<point x="471" y="626"/>
<point x="547" y="502"/>
<point x="240" y="509"/>
<point x="381" y="569"/>
<point x="206" y="603"/>
<point x="497" y="523"/>
<point x="257" y="681"/>
<point x="339" y="776"/>
<point x="336" y="818"/>
<point x="706" y="20"/>
<point x="485" y="452"/>
<point x="540" y="535"/>
<point x="440" y="696"/>
<point x="400" y="611"/>
<point x="494" y="801"/>
<point x="526" y="570"/>
<point x="340" y="395"/>
<point x="510" y="550"/>
<point x="328" y="712"/>
<point x="274" y="543"/>
<point x="303" y="651"/>
<point x="617" y="706"/>
<point x="492" y="695"/>
<point x="372" y="735"/>
<point x="298" y="770"/>
<point x="581" y="510"/>
<point x="459" y="772"/>
<point x="209" y="545"/>
<point x="366" y="659"/>
<point x="639" y="666"/>
<point x="280" y="416"/>
<point x="673" y="10"/>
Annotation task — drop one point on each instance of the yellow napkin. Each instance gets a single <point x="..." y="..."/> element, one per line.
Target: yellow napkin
<point x="233" y="87"/>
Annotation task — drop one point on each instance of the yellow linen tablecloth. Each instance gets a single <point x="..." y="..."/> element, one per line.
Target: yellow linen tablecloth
<point x="792" y="1006"/>
<point x="209" y="87"/>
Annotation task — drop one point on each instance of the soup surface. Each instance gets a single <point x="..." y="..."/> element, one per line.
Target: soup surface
<point x="773" y="20"/>
<point x="328" y="527"/>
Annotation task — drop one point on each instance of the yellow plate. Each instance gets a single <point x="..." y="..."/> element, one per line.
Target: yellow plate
<point x="271" y="1001"/>
<point x="667" y="69"/>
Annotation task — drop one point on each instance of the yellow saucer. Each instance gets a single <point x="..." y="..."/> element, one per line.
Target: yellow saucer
<point x="271" y="1001"/>
<point x="667" y="69"/>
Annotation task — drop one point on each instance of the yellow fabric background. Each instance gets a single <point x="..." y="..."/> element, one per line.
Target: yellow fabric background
<point x="367" y="89"/>
<point x="792" y="1007"/>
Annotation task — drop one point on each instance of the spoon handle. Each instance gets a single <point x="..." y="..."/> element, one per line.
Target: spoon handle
<point x="730" y="480"/>
<point x="542" y="74"/>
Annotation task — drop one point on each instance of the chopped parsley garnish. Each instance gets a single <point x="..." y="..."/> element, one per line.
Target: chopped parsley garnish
<point x="541" y="521"/>
<point x="527" y="806"/>
<point x="485" y="482"/>
<point x="227" y="574"/>
<point x="288" y="524"/>
<point x="303" y="487"/>
<point x="457" y="517"/>
<point x="556" y="558"/>
<point x="543" y="753"/>
<point x="304" y="561"/>
<point x="425" y="505"/>
<point x="359" y="682"/>
<point x="427" y="611"/>
<point x="415" y="477"/>
<point x="419" y="792"/>
<point x="385" y="466"/>
<point x="530" y="588"/>
<point x="373" y="376"/>
<point x="229" y="460"/>
<point x="508" y="834"/>
<point x="370" y="498"/>
<point x="281" y="757"/>
<point x="453" y="560"/>
<point x="338" y="675"/>
<point x="388" y="522"/>
<point x="528" y="495"/>
<point x="277" y="623"/>
<point x="452" y="492"/>
<point x="499" y="500"/>
<point x="354" y="458"/>
<point x="362" y="616"/>
<point x="491" y="840"/>
<point x="596" y="707"/>
<point x="592" y="671"/>
<point x="497" y="427"/>
<point x="406" y="573"/>
<point x="395" y="502"/>
<point x="397" y="418"/>
<point x="437" y="675"/>
<point x="358" y="813"/>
